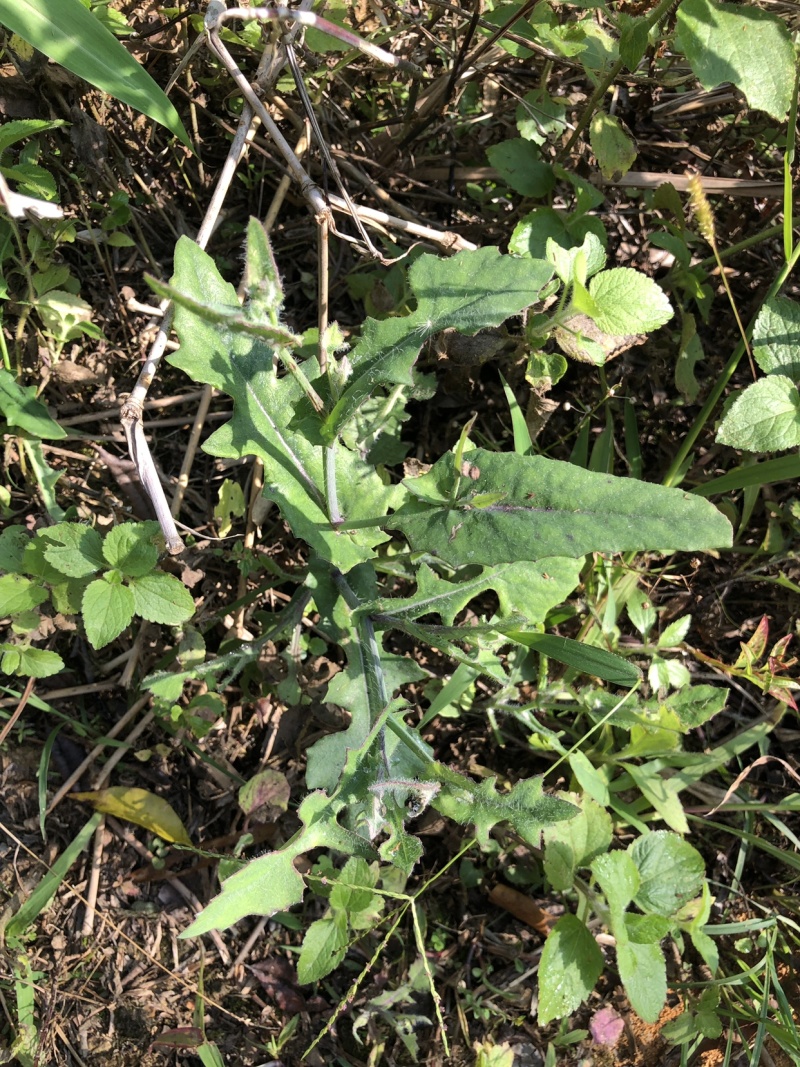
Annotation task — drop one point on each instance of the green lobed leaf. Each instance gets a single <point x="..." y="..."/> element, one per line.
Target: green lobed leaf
<point x="73" y="549"/>
<point x="570" y="966"/>
<point x="163" y="598"/>
<point x="529" y="589"/>
<point x="671" y="872"/>
<point x="776" y="337"/>
<point x="21" y="408"/>
<point x="324" y="948"/>
<point x="267" y="884"/>
<point x="526" y="807"/>
<point x="20" y="594"/>
<point x="552" y="508"/>
<point x="68" y="33"/>
<point x="628" y="302"/>
<point x="129" y="547"/>
<point x="271" y="883"/>
<point x="348" y="689"/>
<point x="273" y="418"/>
<point x="107" y="608"/>
<point x="742" y="44"/>
<point x="644" y="975"/>
<point x="697" y="704"/>
<point x="468" y="292"/>
<point x="764" y="418"/>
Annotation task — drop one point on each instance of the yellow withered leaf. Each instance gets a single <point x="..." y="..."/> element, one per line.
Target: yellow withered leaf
<point x="141" y="807"/>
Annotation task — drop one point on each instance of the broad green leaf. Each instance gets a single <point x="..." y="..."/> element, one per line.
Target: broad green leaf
<point x="67" y="596"/>
<point x="742" y="44"/>
<point x="633" y="37"/>
<point x="662" y="793"/>
<point x="13" y="541"/>
<point x="20" y="408"/>
<point x="526" y="807"/>
<point x="575" y="842"/>
<point x="266" y="789"/>
<point x="585" y="658"/>
<point x="619" y="879"/>
<point x="614" y="149"/>
<point x="551" y="508"/>
<point x="68" y="33"/>
<point x="764" y="418"/>
<point x="541" y="117"/>
<point x="73" y="549"/>
<point x="272" y="417"/>
<point x="532" y="233"/>
<point x="570" y="966"/>
<point x="589" y="778"/>
<point x="107" y="609"/>
<point x="675" y="633"/>
<point x="324" y="948"/>
<point x="27" y="661"/>
<point x="231" y="505"/>
<point x="129" y="547"/>
<point x="502" y="15"/>
<point x="521" y="166"/>
<point x="271" y="883"/>
<point x="468" y="292"/>
<point x="644" y="975"/>
<point x="590" y="253"/>
<point x="776" y="337"/>
<point x="646" y="929"/>
<point x="20" y="594"/>
<point x="163" y="598"/>
<point x="697" y="704"/>
<point x="671" y="872"/>
<point x="690" y="353"/>
<point x="352" y="890"/>
<point x="141" y="807"/>
<point x="628" y="302"/>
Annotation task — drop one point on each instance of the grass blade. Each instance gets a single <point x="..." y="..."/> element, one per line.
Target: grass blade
<point x="70" y="34"/>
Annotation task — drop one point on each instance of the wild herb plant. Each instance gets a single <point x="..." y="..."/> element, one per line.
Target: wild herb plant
<point x="476" y="520"/>
<point x="389" y="555"/>
<point x="105" y="580"/>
